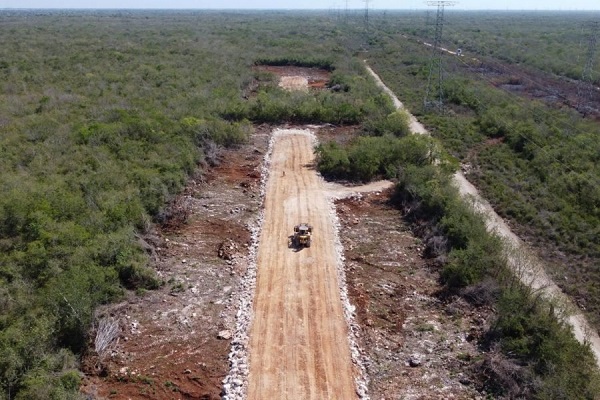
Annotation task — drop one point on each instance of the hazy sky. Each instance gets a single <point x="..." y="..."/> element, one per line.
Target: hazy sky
<point x="305" y="4"/>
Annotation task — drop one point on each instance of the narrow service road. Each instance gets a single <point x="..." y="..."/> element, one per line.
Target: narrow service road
<point x="299" y="347"/>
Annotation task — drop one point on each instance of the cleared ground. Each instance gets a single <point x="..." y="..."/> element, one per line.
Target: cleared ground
<point x="299" y="347"/>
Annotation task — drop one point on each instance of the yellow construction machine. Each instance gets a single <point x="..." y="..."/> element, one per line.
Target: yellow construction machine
<point x="302" y="236"/>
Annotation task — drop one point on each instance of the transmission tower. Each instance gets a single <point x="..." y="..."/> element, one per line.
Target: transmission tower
<point x="367" y="17"/>
<point x="435" y="62"/>
<point x="584" y="89"/>
<point x="346" y="13"/>
<point x="366" y="22"/>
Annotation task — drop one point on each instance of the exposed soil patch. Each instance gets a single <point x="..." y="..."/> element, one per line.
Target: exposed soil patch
<point x="316" y="78"/>
<point x="556" y="90"/>
<point x="339" y="134"/>
<point x="419" y="345"/>
<point x="173" y="342"/>
<point x="294" y="83"/>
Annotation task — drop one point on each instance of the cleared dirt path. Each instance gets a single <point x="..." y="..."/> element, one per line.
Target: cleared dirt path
<point x="299" y="346"/>
<point x="525" y="265"/>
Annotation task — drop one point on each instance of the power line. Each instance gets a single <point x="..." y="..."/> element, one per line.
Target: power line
<point x="516" y="43"/>
<point x="346" y="13"/>
<point x="541" y="86"/>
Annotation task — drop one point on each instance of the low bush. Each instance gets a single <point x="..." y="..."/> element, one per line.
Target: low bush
<point x="369" y="157"/>
<point x="395" y="124"/>
<point x="527" y="329"/>
<point x="275" y="105"/>
<point x="326" y="64"/>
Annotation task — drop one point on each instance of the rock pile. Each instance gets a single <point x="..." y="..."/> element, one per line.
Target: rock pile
<point x="227" y="250"/>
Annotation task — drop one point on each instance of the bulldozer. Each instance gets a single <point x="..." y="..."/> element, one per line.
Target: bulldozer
<point x="302" y="236"/>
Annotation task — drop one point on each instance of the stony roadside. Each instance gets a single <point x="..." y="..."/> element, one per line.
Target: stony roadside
<point x="418" y="342"/>
<point x="174" y="342"/>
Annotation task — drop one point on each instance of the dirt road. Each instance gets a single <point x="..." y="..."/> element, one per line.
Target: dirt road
<point x="299" y="347"/>
<point x="520" y="259"/>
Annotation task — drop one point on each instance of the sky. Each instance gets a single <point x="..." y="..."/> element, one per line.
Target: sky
<point x="304" y="4"/>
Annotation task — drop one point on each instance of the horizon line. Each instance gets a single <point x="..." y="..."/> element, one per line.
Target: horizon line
<point x="289" y="9"/>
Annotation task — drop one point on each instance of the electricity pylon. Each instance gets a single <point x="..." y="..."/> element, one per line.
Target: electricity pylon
<point x="366" y="25"/>
<point x="346" y="13"/>
<point x="367" y="17"/>
<point x="584" y="89"/>
<point x="435" y="62"/>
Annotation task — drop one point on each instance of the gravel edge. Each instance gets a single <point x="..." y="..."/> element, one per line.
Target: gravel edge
<point x="235" y="384"/>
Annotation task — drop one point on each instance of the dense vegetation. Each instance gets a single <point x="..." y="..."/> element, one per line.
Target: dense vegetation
<point x="538" y="350"/>
<point x="555" y="42"/>
<point x="105" y="115"/>
<point x="536" y="162"/>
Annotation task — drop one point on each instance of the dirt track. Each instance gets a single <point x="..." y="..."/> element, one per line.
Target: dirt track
<point x="299" y="347"/>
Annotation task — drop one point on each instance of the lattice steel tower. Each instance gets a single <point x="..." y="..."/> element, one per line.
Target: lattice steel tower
<point x="435" y="62"/>
<point x="585" y="87"/>
<point x="366" y="25"/>
<point x="346" y="13"/>
<point x="367" y="17"/>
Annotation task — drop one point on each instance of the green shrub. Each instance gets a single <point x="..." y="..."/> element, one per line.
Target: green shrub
<point x="467" y="266"/>
<point x="365" y="160"/>
<point x="424" y="192"/>
<point x="70" y="380"/>
<point x="138" y="276"/>
<point x="39" y="385"/>
<point x="368" y="157"/>
<point x="332" y="160"/>
<point x="322" y="63"/>
<point x="395" y="123"/>
<point x="223" y="133"/>
<point x="527" y="329"/>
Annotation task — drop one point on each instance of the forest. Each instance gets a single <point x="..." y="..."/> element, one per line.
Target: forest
<point x="106" y="114"/>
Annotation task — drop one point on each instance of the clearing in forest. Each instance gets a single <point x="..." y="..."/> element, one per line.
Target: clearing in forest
<point x="299" y="347"/>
